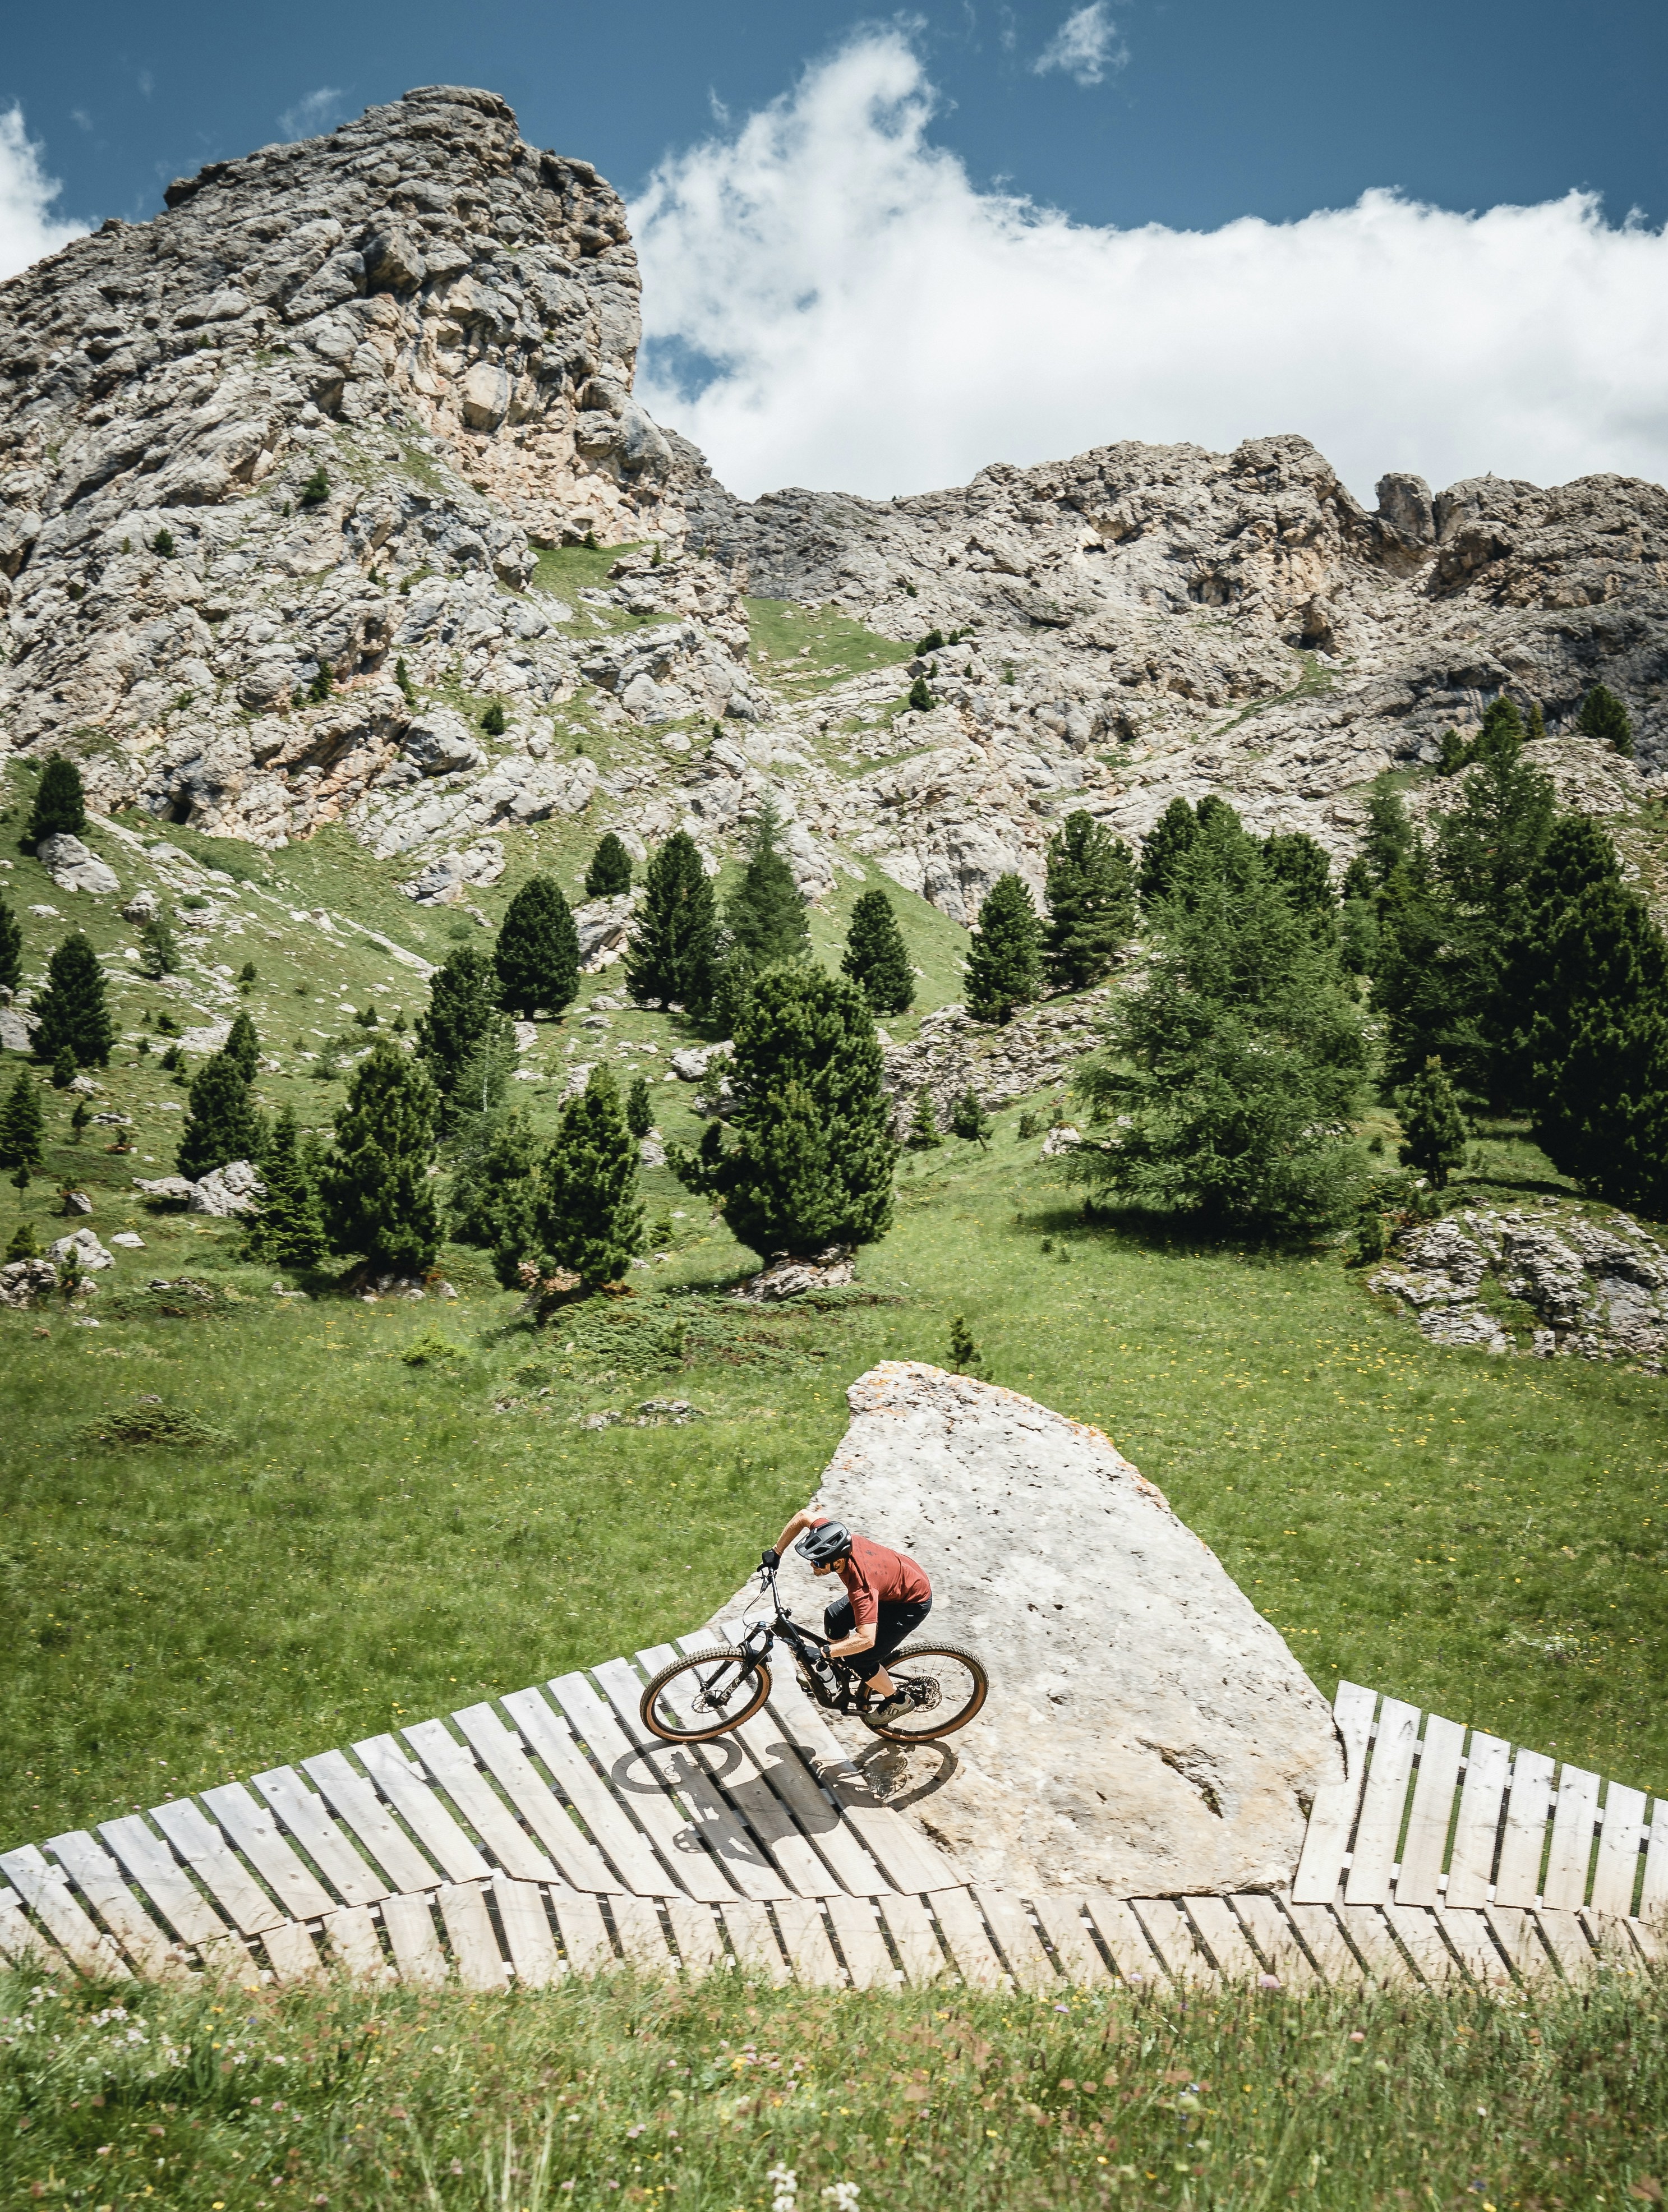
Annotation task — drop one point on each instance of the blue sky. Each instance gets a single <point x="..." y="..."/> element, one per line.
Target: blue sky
<point x="914" y="206"/>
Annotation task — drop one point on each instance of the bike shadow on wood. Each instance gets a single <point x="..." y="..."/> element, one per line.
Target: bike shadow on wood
<point x="900" y="1775"/>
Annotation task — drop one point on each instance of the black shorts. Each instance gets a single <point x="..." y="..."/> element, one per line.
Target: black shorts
<point x="897" y="1622"/>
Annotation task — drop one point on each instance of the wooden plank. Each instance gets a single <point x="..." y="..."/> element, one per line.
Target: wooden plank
<point x="1275" y="1938"/>
<point x="1617" y="1874"/>
<point x="680" y="1769"/>
<point x="1653" y="1890"/>
<point x="611" y="1830"/>
<point x="303" y="1812"/>
<point x="857" y="1930"/>
<point x="528" y="1932"/>
<point x="1566" y="1940"/>
<point x="1518" y="1937"/>
<point x="216" y="1866"/>
<point x="909" y="1862"/>
<point x="1569" y="1859"/>
<point x="469" y="1930"/>
<point x="1061" y="1916"/>
<point x="1168" y="1933"/>
<point x="961" y="1926"/>
<point x="836" y="1842"/>
<point x="911" y="1932"/>
<point x="407" y="1790"/>
<point x="695" y="1931"/>
<point x="1126" y="1941"/>
<point x="410" y="1922"/>
<point x="1323" y="1938"/>
<point x="1415" y="1929"/>
<point x="228" y="1959"/>
<point x="97" y="1876"/>
<point x="806" y="1941"/>
<point x="252" y="1827"/>
<point x="1215" y="1925"/>
<point x="734" y="1769"/>
<point x="289" y="1953"/>
<point x="1332" y="1817"/>
<point x="1377" y="1949"/>
<point x="580" y="1862"/>
<point x="1477" y="1831"/>
<point x="1468" y="1933"/>
<point x="1425" y="1843"/>
<point x="1649" y="1941"/>
<point x="753" y="1940"/>
<point x="634" y="1780"/>
<point x="451" y="1765"/>
<point x="163" y="1881"/>
<point x="1528" y="1801"/>
<point x="1379" y="1830"/>
<point x="642" y="1938"/>
<point x="1608" y="1934"/>
<point x="349" y="1795"/>
<point x="23" y="1945"/>
<point x="352" y="1934"/>
<point x="45" y="1888"/>
<point x="1021" y="1946"/>
<point x="584" y="1936"/>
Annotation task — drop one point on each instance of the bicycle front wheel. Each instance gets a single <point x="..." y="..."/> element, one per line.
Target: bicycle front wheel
<point x="706" y="1695"/>
<point x="945" y="1686"/>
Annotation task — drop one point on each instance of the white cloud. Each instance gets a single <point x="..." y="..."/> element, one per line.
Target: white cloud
<point x="313" y="113"/>
<point x="27" y="229"/>
<point x="874" y="322"/>
<point x="1085" y="46"/>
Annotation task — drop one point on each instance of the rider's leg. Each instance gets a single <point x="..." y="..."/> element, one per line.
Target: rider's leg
<point x="897" y="1624"/>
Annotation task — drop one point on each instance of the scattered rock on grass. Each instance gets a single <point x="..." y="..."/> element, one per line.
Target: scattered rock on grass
<point x="789" y="1277"/>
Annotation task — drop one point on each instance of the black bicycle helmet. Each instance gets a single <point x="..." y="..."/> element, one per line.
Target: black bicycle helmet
<point x="823" y="1547"/>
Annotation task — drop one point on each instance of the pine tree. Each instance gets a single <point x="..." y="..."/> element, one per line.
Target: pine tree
<point x="74" y="1017"/>
<point x="161" y="949"/>
<point x="22" y="1125"/>
<point x="923" y="1135"/>
<point x="609" y="875"/>
<point x="673" y="956"/>
<point x="492" y="1193"/>
<point x="969" y="1120"/>
<point x="1090" y="890"/>
<point x="288" y="1231"/>
<point x="1433" y="1127"/>
<point x="588" y="1215"/>
<point x="1604" y="719"/>
<point x="464" y="1020"/>
<point x="1501" y="734"/>
<point x="1003" y="968"/>
<point x="1303" y="872"/>
<point x="814" y="1159"/>
<point x="538" y="951"/>
<point x="64" y="1069"/>
<point x="11" y="949"/>
<point x="379" y="1200"/>
<point x="764" y="914"/>
<point x="639" y="1107"/>
<point x="1388" y="843"/>
<point x="1171" y="836"/>
<point x="242" y="1045"/>
<point x="876" y="957"/>
<point x="221" y="1122"/>
<point x="1432" y="980"/>
<point x="60" y="803"/>
<point x="492" y="721"/>
<point x="1232" y="1073"/>
<point x="23" y="1243"/>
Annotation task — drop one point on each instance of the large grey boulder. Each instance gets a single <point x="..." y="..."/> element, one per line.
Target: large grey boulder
<point x="1147" y="1732"/>
<point x="235" y="1188"/>
<point x="86" y="1248"/>
<point x="73" y="868"/>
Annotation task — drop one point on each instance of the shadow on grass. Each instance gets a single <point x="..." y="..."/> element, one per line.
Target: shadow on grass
<point x="1177" y="1236"/>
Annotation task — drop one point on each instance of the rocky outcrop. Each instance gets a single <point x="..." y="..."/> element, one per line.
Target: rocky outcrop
<point x="1147" y="1731"/>
<point x="951" y="1054"/>
<point x="73" y="868"/>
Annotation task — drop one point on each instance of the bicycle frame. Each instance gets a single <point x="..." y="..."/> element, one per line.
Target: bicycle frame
<point x="810" y="1649"/>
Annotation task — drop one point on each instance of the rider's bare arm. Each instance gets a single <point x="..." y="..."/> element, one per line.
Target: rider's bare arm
<point x="799" y="1523"/>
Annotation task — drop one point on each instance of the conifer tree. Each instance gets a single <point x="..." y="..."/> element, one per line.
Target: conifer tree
<point x="969" y="1120"/>
<point x="1303" y="872"/>
<point x="1487" y="845"/>
<point x="1170" y="837"/>
<point x="639" y="1107"/>
<point x="609" y="872"/>
<point x="11" y="948"/>
<point x="492" y="1195"/>
<point x="221" y="1122"/>
<point x="379" y="1200"/>
<point x="160" y="949"/>
<point x="64" y="1069"/>
<point x="1388" y="843"/>
<point x="1604" y="719"/>
<point x="242" y="1045"/>
<point x="764" y="914"/>
<point x="463" y="1021"/>
<point x="1003" y="968"/>
<point x="1536" y="729"/>
<point x="23" y="1126"/>
<point x="673" y="956"/>
<point x="538" y="950"/>
<point x="1090" y="891"/>
<point x="876" y="957"/>
<point x="588" y="1216"/>
<point x="60" y="803"/>
<point x="923" y="1135"/>
<point x="1433" y="1127"/>
<point x="288" y="1231"/>
<point x="74" y="1017"/>
<point x="813" y="1160"/>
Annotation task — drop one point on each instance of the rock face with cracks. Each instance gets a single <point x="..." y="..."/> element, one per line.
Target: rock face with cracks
<point x="1147" y="1732"/>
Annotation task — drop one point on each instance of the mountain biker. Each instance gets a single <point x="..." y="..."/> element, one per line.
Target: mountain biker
<point x="887" y="1598"/>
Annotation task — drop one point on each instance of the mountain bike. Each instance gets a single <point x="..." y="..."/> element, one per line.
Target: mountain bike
<point x="712" y="1692"/>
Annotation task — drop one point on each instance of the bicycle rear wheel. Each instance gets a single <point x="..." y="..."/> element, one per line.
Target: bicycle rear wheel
<point x="705" y="1695"/>
<point x="947" y="1685"/>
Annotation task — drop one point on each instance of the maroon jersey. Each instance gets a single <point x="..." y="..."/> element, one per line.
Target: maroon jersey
<point x="874" y="1576"/>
